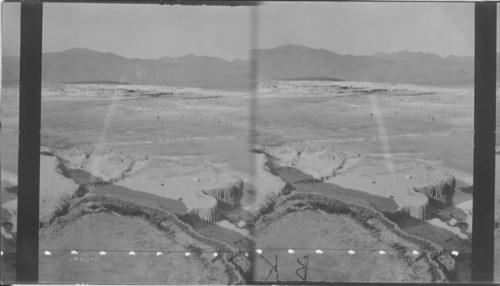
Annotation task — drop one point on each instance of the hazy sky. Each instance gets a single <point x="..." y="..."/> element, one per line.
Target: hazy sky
<point x="153" y="31"/>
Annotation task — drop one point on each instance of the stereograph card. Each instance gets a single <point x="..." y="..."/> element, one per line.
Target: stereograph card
<point x="244" y="142"/>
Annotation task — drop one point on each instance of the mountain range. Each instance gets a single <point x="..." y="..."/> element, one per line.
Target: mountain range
<point x="287" y="62"/>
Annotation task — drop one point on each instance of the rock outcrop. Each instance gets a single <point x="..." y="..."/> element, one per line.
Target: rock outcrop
<point x="318" y="162"/>
<point x="208" y="208"/>
<point x="9" y="215"/>
<point x="228" y="196"/>
<point x="55" y="189"/>
<point x="267" y="184"/>
<point x="417" y="205"/>
<point x="203" y="188"/>
<point x="218" y="200"/>
<point x="441" y="193"/>
<point x="107" y="164"/>
<point x="210" y="214"/>
<point x="467" y="208"/>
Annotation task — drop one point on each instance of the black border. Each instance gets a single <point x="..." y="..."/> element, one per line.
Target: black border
<point x="30" y="98"/>
<point x="483" y="218"/>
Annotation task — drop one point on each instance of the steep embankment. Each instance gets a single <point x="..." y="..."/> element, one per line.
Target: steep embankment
<point x="423" y="200"/>
<point x="417" y="205"/>
<point x="185" y="186"/>
<point x="173" y="185"/>
<point x="225" y="199"/>
<point x="398" y="183"/>
<point x="440" y="194"/>
<point x="230" y="195"/>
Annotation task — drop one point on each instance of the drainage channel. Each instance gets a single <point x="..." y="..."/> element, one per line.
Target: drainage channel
<point x="95" y="185"/>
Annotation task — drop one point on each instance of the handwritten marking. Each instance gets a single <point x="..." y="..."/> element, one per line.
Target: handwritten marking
<point x="273" y="267"/>
<point x="304" y="267"/>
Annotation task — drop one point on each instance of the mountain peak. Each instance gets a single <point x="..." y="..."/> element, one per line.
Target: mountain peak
<point x="87" y="52"/>
<point x="406" y="56"/>
<point x="299" y="49"/>
<point x="291" y="47"/>
<point x="193" y="58"/>
<point x="79" y="51"/>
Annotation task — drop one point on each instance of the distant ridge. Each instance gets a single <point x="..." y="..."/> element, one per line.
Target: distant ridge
<point x="311" y="79"/>
<point x="288" y="62"/>
<point x="98" y="82"/>
<point x="295" y="61"/>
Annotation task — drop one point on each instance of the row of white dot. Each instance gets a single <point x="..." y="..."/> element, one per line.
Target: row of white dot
<point x="259" y="251"/>
<point x="381" y="252"/>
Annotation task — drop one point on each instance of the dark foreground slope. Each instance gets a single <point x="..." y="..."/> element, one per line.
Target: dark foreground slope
<point x="308" y="222"/>
<point x="97" y="223"/>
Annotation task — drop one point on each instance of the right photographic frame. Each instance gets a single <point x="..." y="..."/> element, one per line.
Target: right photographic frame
<point x="380" y="117"/>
